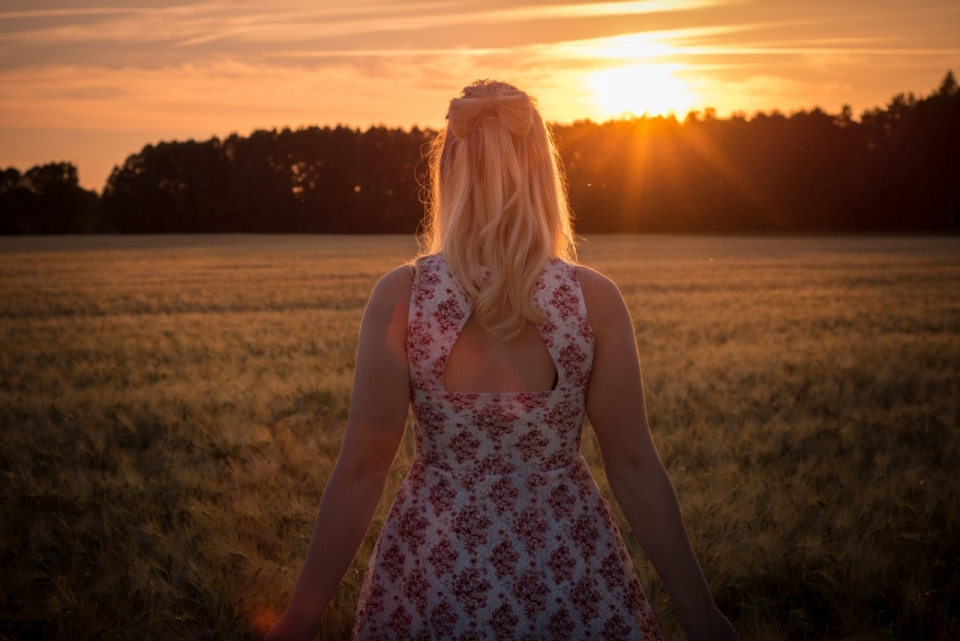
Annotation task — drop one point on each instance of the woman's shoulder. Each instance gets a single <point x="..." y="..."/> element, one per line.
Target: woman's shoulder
<point x="601" y="296"/>
<point x="593" y="279"/>
<point x="392" y="290"/>
<point x="594" y="285"/>
<point x="398" y="276"/>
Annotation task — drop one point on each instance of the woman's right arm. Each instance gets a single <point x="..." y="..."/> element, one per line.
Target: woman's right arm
<point x="637" y="478"/>
<point x="378" y="413"/>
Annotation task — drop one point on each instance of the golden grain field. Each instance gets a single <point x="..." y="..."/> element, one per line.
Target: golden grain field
<point x="171" y="407"/>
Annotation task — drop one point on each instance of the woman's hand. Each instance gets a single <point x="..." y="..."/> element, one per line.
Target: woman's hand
<point x="708" y="625"/>
<point x="293" y="626"/>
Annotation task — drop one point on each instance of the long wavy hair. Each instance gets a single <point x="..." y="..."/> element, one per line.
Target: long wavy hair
<point x="497" y="206"/>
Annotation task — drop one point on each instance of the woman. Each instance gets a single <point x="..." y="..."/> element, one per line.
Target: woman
<point x="499" y="344"/>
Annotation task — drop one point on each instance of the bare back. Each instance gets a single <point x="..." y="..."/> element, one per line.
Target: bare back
<point x="480" y="362"/>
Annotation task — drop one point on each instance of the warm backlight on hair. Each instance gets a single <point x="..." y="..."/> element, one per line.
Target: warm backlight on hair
<point x="640" y="89"/>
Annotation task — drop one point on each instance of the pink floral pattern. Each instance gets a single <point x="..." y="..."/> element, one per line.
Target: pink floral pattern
<point x="499" y="530"/>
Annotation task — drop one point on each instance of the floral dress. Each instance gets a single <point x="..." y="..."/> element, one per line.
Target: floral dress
<point x="499" y="530"/>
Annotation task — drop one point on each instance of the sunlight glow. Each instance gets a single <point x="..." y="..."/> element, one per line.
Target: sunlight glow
<point x="641" y="89"/>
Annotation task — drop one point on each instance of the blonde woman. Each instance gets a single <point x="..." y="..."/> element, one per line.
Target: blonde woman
<point x="499" y="344"/>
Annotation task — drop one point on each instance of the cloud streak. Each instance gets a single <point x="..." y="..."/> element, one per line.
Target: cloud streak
<point x="285" y="22"/>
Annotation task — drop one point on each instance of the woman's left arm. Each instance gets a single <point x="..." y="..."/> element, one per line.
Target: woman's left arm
<point x="378" y="413"/>
<point x="637" y="477"/>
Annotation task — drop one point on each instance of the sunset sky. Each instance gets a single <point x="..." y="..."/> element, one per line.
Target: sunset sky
<point x="92" y="82"/>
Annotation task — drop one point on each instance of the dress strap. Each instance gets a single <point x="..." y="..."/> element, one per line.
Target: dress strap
<point x="438" y="311"/>
<point x="566" y="331"/>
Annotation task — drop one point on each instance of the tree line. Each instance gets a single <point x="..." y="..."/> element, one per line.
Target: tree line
<point x="897" y="168"/>
<point x="46" y="199"/>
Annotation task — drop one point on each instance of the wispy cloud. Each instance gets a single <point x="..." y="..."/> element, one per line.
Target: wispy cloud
<point x="293" y="21"/>
<point x="68" y="13"/>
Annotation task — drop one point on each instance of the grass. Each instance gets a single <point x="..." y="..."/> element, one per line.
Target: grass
<point x="171" y="407"/>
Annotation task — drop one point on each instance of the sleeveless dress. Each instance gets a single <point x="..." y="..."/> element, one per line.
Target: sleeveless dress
<point x="499" y="530"/>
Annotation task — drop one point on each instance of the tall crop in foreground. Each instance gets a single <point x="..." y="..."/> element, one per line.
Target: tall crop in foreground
<point x="170" y="409"/>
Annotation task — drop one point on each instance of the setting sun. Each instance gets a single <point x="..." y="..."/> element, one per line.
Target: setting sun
<point x="640" y="89"/>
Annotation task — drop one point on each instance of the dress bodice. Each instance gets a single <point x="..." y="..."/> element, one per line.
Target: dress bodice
<point x="519" y="432"/>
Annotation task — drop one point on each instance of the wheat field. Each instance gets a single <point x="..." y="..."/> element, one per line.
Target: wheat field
<point x="171" y="407"/>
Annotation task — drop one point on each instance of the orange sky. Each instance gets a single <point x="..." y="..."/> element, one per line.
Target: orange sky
<point x="93" y="82"/>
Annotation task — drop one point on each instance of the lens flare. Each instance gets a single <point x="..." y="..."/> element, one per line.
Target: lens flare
<point x="262" y="618"/>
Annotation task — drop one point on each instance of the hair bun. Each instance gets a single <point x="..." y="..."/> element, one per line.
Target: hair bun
<point x="509" y="106"/>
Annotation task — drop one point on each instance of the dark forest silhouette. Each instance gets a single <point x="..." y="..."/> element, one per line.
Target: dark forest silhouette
<point x="47" y="199"/>
<point x="895" y="169"/>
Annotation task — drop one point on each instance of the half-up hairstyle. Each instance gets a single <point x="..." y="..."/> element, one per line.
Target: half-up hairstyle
<point x="497" y="206"/>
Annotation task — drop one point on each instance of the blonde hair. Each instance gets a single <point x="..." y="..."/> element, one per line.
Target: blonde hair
<point x="497" y="206"/>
